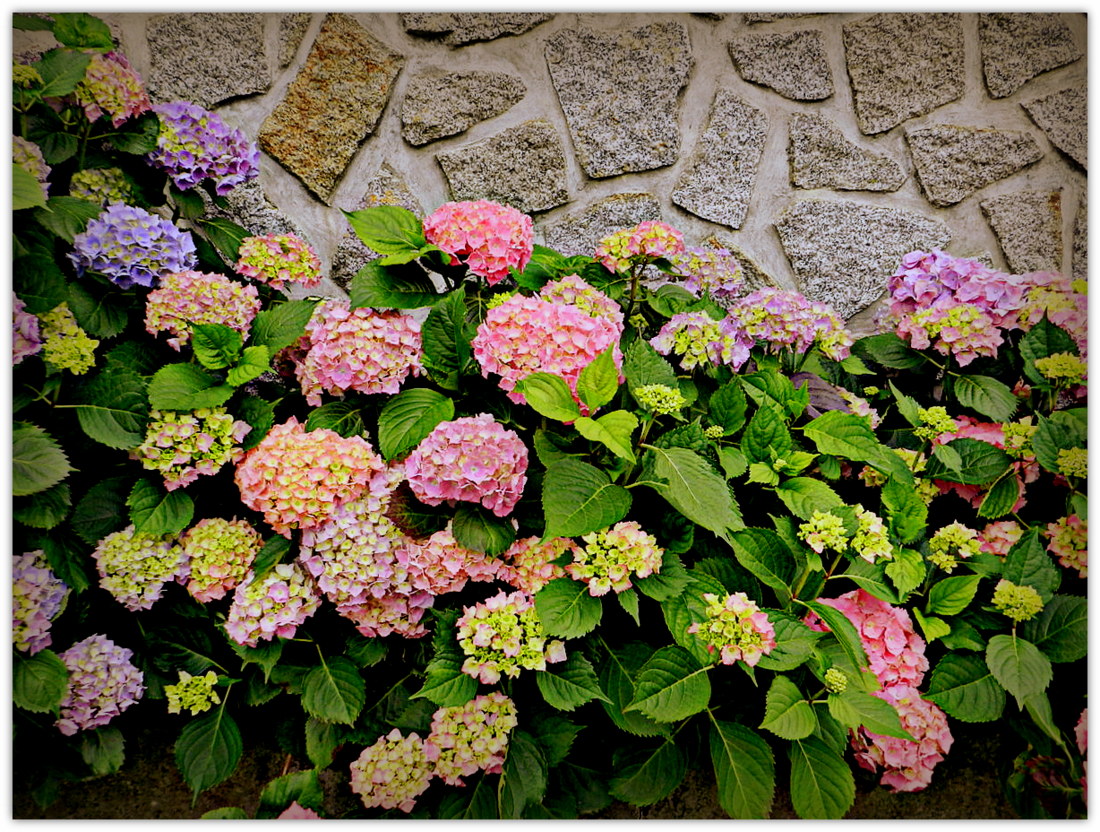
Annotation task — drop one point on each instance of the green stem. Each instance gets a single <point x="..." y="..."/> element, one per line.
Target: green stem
<point x="635" y="272"/>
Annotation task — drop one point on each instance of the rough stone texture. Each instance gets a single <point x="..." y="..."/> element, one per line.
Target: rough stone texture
<point x="206" y="58"/>
<point x="1063" y="116"/>
<point x="953" y="162"/>
<point x="387" y="187"/>
<point x="332" y="105"/>
<point x="1028" y="225"/>
<point x="791" y="63"/>
<point x="439" y="103"/>
<point x="843" y="252"/>
<point x="1080" y="268"/>
<point x="523" y="166"/>
<point x="717" y="183"/>
<point x="580" y="232"/>
<point x="768" y="17"/>
<point x="1018" y="46"/>
<point x="248" y="206"/>
<point x="821" y="157"/>
<point x="756" y="277"/>
<point x="620" y="93"/>
<point x="892" y="83"/>
<point x="459" y="28"/>
<point x="292" y="28"/>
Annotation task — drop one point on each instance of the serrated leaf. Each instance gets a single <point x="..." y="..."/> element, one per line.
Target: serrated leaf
<point x="322" y="740"/>
<point x="979" y="462"/>
<point x="765" y="555"/>
<point x="67" y="216"/>
<point x="103" y="750"/>
<point x="61" y="71"/>
<point x="104" y="316"/>
<point x="550" y="396"/>
<point x="113" y="409"/>
<point x="612" y="429"/>
<point x="578" y="498"/>
<point x="930" y="626"/>
<point x="566" y="608"/>
<point x="643" y="365"/>
<point x="906" y="570"/>
<point x="156" y="511"/>
<point x="871" y="578"/>
<point x="225" y="235"/>
<point x="616" y="681"/>
<point x="571" y="684"/>
<point x="906" y="512"/>
<point x="301" y="787"/>
<point x="445" y="684"/>
<point x="391" y="287"/>
<point x="733" y="462"/>
<point x="1060" y="631"/>
<point x="44" y="510"/>
<point x="26" y="191"/>
<point x="822" y="785"/>
<point x="475" y="802"/>
<point x="848" y="436"/>
<point x="805" y="495"/>
<point x="671" y="686"/>
<point x="951" y="596"/>
<point x="208" y="750"/>
<point x="853" y="708"/>
<point x="479" y="529"/>
<point x="888" y="350"/>
<point x="986" y="396"/>
<point x="281" y="325"/>
<point x="845" y="632"/>
<point x="648" y="775"/>
<point x="445" y="336"/>
<point x="964" y="687"/>
<point x="138" y="136"/>
<point x="342" y="417"/>
<point x="628" y="600"/>
<point x="1018" y="665"/>
<point x="334" y="691"/>
<point x="598" y="382"/>
<point x="40" y="682"/>
<point x="216" y="346"/>
<point x="794" y="642"/>
<point x="744" y="768"/>
<point x="1059" y="432"/>
<point x="787" y="713"/>
<point x="523" y="777"/>
<point x="728" y="406"/>
<point x="255" y="361"/>
<point x="767" y="432"/>
<point x="694" y="489"/>
<point x="271" y="554"/>
<point x="186" y="387"/>
<point x="37" y="461"/>
<point x="1028" y="564"/>
<point x="407" y="418"/>
<point x="39" y="282"/>
<point x="1042" y="341"/>
<point x="682" y="611"/>
<point x="554" y="735"/>
<point x="667" y="582"/>
<point x="82" y="31"/>
<point x="260" y="414"/>
<point x="387" y="229"/>
<point x="265" y="656"/>
<point x="68" y="558"/>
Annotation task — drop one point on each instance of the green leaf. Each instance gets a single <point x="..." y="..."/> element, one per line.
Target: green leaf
<point x="82" y="31"/>
<point x="342" y="417"/>
<point x="688" y="608"/>
<point x="281" y="325"/>
<point x="137" y="137"/>
<point x="693" y="488"/>
<point x="216" y="346"/>
<point x="578" y="498"/>
<point x="963" y="636"/>
<point x="906" y="512"/>
<point x="848" y="436"/>
<point x="728" y="406"/>
<point x="26" y="192"/>
<point x="571" y="684"/>
<point x="1061" y="631"/>
<point x="794" y="642"/>
<point x="566" y="608"/>
<point x="260" y="414"/>
<point x="387" y="229"/>
<point x="669" y="581"/>
<point x="986" y="396"/>
<point x="61" y="71"/>
<point x="963" y="686"/>
<point x="407" y="418"/>
<point x="733" y="462"/>
<point x="549" y="395"/>
<point x="156" y="511"/>
<point x="445" y="684"/>
<point x="765" y="555"/>
<point x="845" y="632"/>
<point x="445" y="338"/>
<point x="1038" y="708"/>
<point x="1060" y="432"/>
<point x="225" y="235"/>
<point x="380" y="287"/>
<point x="1042" y="341"/>
<point x="208" y="750"/>
<point x="822" y="785"/>
<point x="103" y="750"/>
<point x="322" y="740"/>
<point x="68" y="559"/>
<point x="598" y="382"/>
<point x="334" y="691"/>
<point x="270" y="556"/>
<point x="475" y="802"/>
<point x="616" y="681"/>
<point x="979" y="462"/>
<point x="766" y="432"/>
<point x="1018" y="665"/>
<point x="952" y="595"/>
<point x="66" y="216"/>
<point x="225" y="813"/>
<point x="479" y="529"/>
<point x="523" y="778"/>
<point x="872" y="579"/>
<point x="787" y="713"/>
<point x="301" y="787"/>
<point x="671" y="686"/>
<point x="804" y="495"/>
<point x="744" y="768"/>
<point x="254" y="363"/>
<point x="853" y="708"/>
<point x="1028" y="564"/>
<point x="40" y="682"/>
<point x="37" y="461"/>
<point x="643" y="365"/>
<point x="44" y="510"/>
<point x="888" y="350"/>
<point x="113" y="409"/>
<point x="646" y="775"/>
<point x="554" y="735"/>
<point x="906" y="570"/>
<point x="907" y="406"/>
<point x="39" y="282"/>
<point x="31" y="23"/>
<point x="186" y="387"/>
<point x="265" y="656"/>
<point x="612" y="429"/>
<point x="104" y="316"/>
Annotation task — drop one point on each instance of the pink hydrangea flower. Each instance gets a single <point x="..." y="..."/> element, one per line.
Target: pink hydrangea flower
<point x="134" y="567"/>
<point x="997" y="538"/>
<point x="1081" y="731"/>
<point x="952" y="327"/>
<point x="113" y="88"/>
<point x="786" y="320"/>
<point x="28" y="156"/>
<point x="298" y="478"/>
<point x="709" y="271"/>
<point x="489" y="237"/>
<point x="295" y="811"/>
<point x="279" y="259"/>
<point x="392" y="773"/>
<point x="37" y="596"/>
<point x="190" y="297"/>
<point x="737" y="628"/>
<point x="441" y="564"/>
<point x="526" y="564"/>
<point x="468" y="738"/>
<point x="645" y="242"/>
<point x="699" y="339"/>
<point x="610" y="556"/>
<point x="400" y="614"/>
<point x="219" y="554"/>
<point x="1069" y="542"/>
<point x="183" y="445"/>
<point x="502" y="636"/>
<point x="26" y="339"/>
<point x="574" y="291"/>
<point x="274" y="606"/>
<point x="1063" y="302"/>
<point x="927" y="277"/>
<point x="102" y="684"/>
<point x="470" y="459"/>
<point x="357" y="349"/>
<point x="906" y="764"/>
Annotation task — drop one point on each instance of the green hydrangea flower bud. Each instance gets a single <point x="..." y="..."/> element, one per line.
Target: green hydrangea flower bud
<point x="1019" y="603"/>
<point x="660" y="398"/>
<point x="195" y="693"/>
<point x="23" y="75"/>
<point x="824" y="531"/>
<point x="66" y="346"/>
<point x="714" y="432"/>
<point x="933" y="422"/>
<point x="498" y="299"/>
<point x="1018" y="438"/>
<point x="1073" y="462"/>
<point x="835" y="680"/>
<point x="1062" y="366"/>
<point x="951" y="543"/>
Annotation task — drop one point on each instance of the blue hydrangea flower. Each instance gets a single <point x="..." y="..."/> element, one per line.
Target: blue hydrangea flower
<point x="130" y="245"/>
<point x="195" y="144"/>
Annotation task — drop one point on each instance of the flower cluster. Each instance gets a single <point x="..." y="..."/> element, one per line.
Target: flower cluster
<point x="183" y="446"/>
<point x="357" y="349"/>
<point x="737" y="628"/>
<point x="26" y="339"/>
<point x="645" y="242"/>
<point x="950" y="543"/>
<point x="699" y="339"/>
<point x="1062" y="366"/>
<point x="1073" y="462"/>
<point x="836" y="681"/>
<point x="709" y="271"/>
<point x="1069" y="542"/>
<point x="824" y="530"/>
<point x="906" y="764"/>
<point x="926" y="278"/>
<point x="65" y="345"/>
<point x="195" y="693"/>
<point x="786" y="320"/>
<point x="1014" y="438"/>
<point x="111" y="87"/>
<point x="272" y="606"/>
<point x="134" y="566"/>
<point x="130" y="245"/>
<point x="440" y="564"/>
<point x="473" y="737"/>
<point x="1019" y="603"/>
<point x="195" y="144"/>
<point x="296" y="811"/>
<point x="859" y="406"/>
<point x="279" y="259"/>
<point x="502" y="636"/>
<point x="934" y="422"/>
<point x="998" y="537"/>
<point x="219" y="554"/>
<point x="392" y="773"/>
<point x="470" y="459"/>
<point x="528" y="563"/>
<point x="24" y="75"/>
<point x="297" y="478"/>
<point x="28" y="156"/>
<point x="952" y="327"/>
<point x="101" y="185"/>
<point x="1062" y="300"/>
<point x="871" y="542"/>
<point x="660" y="398"/>
<point x="189" y="297"/>
<point x="610" y="556"/>
<point x="574" y="291"/>
<point x="102" y="684"/>
<point x="37" y="596"/>
<point x="489" y="237"/>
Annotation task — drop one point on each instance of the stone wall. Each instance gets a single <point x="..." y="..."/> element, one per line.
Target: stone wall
<point x="816" y="147"/>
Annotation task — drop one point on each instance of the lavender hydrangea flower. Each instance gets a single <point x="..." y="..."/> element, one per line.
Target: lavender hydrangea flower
<point x="130" y="245"/>
<point x="26" y="339"/>
<point x="102" y="684"/>
<point x="195" y="144"/>
<point x="37" y="597"/>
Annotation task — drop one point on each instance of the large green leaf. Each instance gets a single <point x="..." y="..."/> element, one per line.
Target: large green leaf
<point x="478" y="801"/>
<point x="156" y="511"/>
<point x="951" y="596"/>
<point x="579" y="498"/>
<point x="612" y="429"/>
<point x="334" y="691"/>
<point x="1018" y="665"/>
<point x="44" y="510"/>
<point x="744" y="768"/>
<point x="103" y="750"/>
<point x="962" y="685"/>
<point x="1041" y="341"/>
<point x="646" y="775"/>
<point x="26" y="192"/>
<point x="670" y="686"/>
<point x="616" y="681"/>
<point x="322" y="740"/>
<point x="226" y="236"/>
<point x="571" y="684"/>
<point x="550" y="396"/>
<point x="979" y="462"/>
<point x="906" y="570"/>
<point x="822" y="786"/>
<point x="728" y="406"/>
<point x="853" y="707"/>
<point x="871" y="578"/>
<point x="113" y="409"/>
<point x="480" y="530"/>
<point x="766" y="434"/>
<point x="37" y="461"/>
<point x="61" y="71"/>
<point x="345" y="418"/>
<point x="846" y="634"/>
<point x="40" y="682"/>
<point x="794" y="642"/>
<point x="694" y="489"/>
<point x="407" y="418"/>
<point x="388" y="229"/>
<point x="260" y="414"/>
<point x="906" y="512"/>
<point x="1061" y="630"/>
<point x="805" y="495"/>
<point x="765" y="555"/>
<point x="566" y="609"/>
<point x="986" y="396"/>
<point x="446" y="340"/>
<point x="444" y="682"/>
<point x="301" y="787"/>
<point x="787" y="712"/>
<point x="1029" y="564"/>
<point x="599" y="380"/>
<point x="281" y="325"/>
<point x="1059" y="432"/>
<point x="104" y="315"/>
<point x="848" y="436"/>
<point x="689" y="607"/>
<point x="208" y="750"/>
<point x="643" y="365"/>
<point x="888" y="350"/>
<point x="82" y="31"/>
<point x="67" y="216"/>
<point x="186" y="387"/>
<point x="523" y="777"/>
<point x="216" y="346"/>
<point x="666" y="583"/>
<point x="378" y="287"/>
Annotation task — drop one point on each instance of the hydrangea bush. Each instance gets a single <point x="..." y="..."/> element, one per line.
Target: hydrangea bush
<point x="506" y="533"/>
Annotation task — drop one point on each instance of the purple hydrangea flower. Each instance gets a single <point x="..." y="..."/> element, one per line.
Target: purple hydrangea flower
<point x="195" y="144"/>
<point x="26" y="338"/>
<point x="103" y="683"/>
<point x="130" y="245"/>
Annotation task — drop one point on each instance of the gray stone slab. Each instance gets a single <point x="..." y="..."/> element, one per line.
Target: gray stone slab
<point x="769" y="17"/>
<point x="292" y="28"/>
<point x="523" y="166"/>
<point x="249" y="206"/>
<point x="1028" y="225"/>
<point x="822" y="157"/>
<point x="580" y="232"/>
<point x="620" y="93"/>
<point x="1063" y="116"/>
<point x="206" y="57"/>
<point x="332" y="105"/>
<point x="438" y="103"/>
<point x="891" y="82"/>
<point x="1081" y="240"/>
<point x="953" y="162"/>
<point x="844" y="252"/>
<point x="718" y="181"/>
<point x="756" y="276"/>
<point x="1018" y="46"/>
<point x="793" y="64"/>
<point x="460" y="28"/>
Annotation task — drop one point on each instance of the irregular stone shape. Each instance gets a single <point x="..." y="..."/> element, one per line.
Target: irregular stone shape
<point x="821" y="157"/>
<point x="332" y="105"/>
<point x="1028" y="225"/>
<point x="1080" y="266"/>
<point x="1063" y="116"/>
<point x="791" y="63"/>
<point x="459" y="28"/>
<point x="523" y="166"/>
<point x="717" y="183"/>
<point x="580" y="233"/>
<point x="387" y="187"/>
<point x="953" y="162"/>
<point x="439" y="103"/>
<point x="1018" y="46"/>
<point x="620" y="93"/>
<point x="249" y="206"/>
<point x="206" y="58"/>
<point x="292" y="28"/>
<point x="892" y="84"/>
<point x="768" y="17"/>
<point x="844" y="252"/>
<point x="755" y="275"/>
